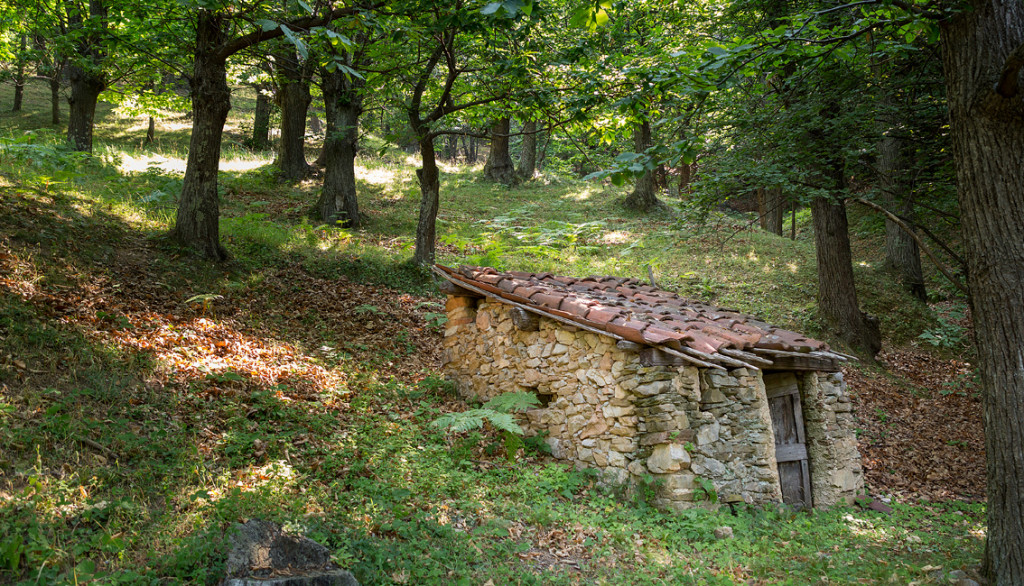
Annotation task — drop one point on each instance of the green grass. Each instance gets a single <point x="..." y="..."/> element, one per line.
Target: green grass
<point x="123" y="466"/>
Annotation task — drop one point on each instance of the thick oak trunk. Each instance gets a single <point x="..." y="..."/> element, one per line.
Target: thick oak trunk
<point x="294" y="99"/>
<point x="499" y="167"/>
<point x="430" y="196"/>
<point x="837" y="296"/>
<point x="528" y="151"/>
<point x="644" y="196"/>
<point x="983" y="51"/>
<point x="344" y="104"/>
<point x="85" y="92"/>
<point x="261" y="121"/>
<point x="198" y="221"/>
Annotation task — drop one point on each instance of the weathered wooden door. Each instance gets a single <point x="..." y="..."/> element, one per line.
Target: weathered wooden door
<point x="790" y="442"/>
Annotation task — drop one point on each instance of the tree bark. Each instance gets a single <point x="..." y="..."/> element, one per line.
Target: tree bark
<point x="901" y="252"/>
<point x="85" y="92"/>
<point x="499" y="167"/>
<point x="294" y="99"/>
<point x="197" y="225"/>
<point x="986" y="111"/>
<point x="643" y="198"/>
<point x="19" y="76"/>
<point x="771" y="207"/>
<point x="55" y="100"/>
<point x="261" y="120"/>
<point x="151" y="131"/>
<point x="86" y="79"/>
<point x="430" y="198"/>
<point x="528" y="152"/>
<point x="837" y="295"/>
<point x="343" y="102"/>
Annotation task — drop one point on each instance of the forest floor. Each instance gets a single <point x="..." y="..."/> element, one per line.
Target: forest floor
<point x="148" y="400"/>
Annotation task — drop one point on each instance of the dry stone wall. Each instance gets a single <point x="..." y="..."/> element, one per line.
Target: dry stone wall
<point x="685" y="431"/>
<point x="836" y="472"/>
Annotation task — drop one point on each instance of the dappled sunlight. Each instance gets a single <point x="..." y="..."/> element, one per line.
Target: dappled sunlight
<point x="127" y="163"/>
<point x="582" y="194"/>
<point x="792" y="266"/>
<point x="618" y="237"/>
<point x="377" y="175"/>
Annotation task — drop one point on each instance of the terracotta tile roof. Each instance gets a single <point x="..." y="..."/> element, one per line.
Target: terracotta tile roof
<point x="634" y="311"/>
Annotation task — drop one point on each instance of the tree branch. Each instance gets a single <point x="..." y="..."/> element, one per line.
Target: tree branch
<point x="257" y="36"/>
<point x="920" y="243"/>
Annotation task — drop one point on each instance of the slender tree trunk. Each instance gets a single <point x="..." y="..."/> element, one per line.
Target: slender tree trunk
<point x="430" y="198"/>
<point x="344" y="104"/>
<point x="528" y="153"/>
<point x="198" y="220"/>
<point x="643" y="198"/>
<point x="499" y="167"/>
<point x="151" y="131"/>
<point x="294" y="99"/>
<point x="837" y="296"/>
<point x="261" y="120"/>
<point x="55" y="99"/>
<point x="983" y="54"/>
<point x="19" y="75"/>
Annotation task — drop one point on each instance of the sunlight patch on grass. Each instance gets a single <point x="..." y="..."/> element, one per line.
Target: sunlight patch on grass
<point x="618" y="237"/>
<point x="176" y="165"/>
<point x="792" y="266"/>
<point x="377" y="176"/>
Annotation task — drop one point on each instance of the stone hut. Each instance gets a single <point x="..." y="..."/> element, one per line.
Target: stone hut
<point x="641" y="384"/>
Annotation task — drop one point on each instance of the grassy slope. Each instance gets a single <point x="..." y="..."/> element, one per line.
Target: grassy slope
<point x="136" y="426"/>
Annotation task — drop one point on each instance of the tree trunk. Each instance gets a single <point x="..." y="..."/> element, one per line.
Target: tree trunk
<point x="837" y="296"/>
<point x="294" y="99"/>
<point x="771" y="208"/>
<point x="85" y="92"/>
<point x="528" y="152"/>
<point x="499" y="167"/>
<point x="983" y="53"/>
<point x="643" y="198"/>
<point x="87" y="80"/>
<point x="430" y="198"/>
<point x="55" y="99"/>
<point x="901" y="252"/>
<point x="151" y="131"/>
<point x="344" y="104"/>
<point x="19" y="76"/>
<point x="261" y="120"/>
<point x="197" y="225"/>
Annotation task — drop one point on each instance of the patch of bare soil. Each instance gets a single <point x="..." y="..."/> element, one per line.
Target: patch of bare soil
<point x="920" y="427"/>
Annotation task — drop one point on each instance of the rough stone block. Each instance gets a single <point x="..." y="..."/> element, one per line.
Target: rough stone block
<point x="667" y="458"/>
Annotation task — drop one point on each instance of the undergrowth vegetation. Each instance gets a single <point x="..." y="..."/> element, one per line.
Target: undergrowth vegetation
<point x="149" y="401"/>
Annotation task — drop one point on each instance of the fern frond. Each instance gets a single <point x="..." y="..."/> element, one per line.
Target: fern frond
<point x="513" y="402"/>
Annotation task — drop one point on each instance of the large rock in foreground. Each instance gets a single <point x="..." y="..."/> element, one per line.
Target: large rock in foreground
<point x="263" y="555"/>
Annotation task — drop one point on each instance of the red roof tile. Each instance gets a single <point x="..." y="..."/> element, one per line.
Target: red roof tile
<point x="634" y="311"/>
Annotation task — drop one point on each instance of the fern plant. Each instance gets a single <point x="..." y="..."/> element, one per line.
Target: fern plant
<point x="498" y="413"/>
